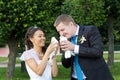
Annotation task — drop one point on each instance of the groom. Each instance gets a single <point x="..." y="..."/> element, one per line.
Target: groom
<point x="87" y="63"/>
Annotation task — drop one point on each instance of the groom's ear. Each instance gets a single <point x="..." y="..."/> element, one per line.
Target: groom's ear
<point x="72" y="24"/>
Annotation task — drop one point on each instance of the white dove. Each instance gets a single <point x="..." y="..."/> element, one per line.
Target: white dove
<point x="53" y="39"/>
<point x="68" y="53"/>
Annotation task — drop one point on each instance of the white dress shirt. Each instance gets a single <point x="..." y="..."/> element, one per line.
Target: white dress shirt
<point x="76" y="51"/>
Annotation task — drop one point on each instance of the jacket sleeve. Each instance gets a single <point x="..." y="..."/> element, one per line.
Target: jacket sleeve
<point x="66" y="62"/>
<point x="93" y="46"/>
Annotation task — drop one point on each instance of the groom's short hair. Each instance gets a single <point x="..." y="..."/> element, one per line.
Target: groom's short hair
<point x="65" y="19"/>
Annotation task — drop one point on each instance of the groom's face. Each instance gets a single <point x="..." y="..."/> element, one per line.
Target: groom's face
<point x="64" y="30"/>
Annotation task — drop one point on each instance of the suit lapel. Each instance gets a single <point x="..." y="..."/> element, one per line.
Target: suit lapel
<point x="80" y="33"/>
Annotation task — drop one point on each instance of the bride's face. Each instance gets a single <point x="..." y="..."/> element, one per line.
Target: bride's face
<point x="38" y="39"/>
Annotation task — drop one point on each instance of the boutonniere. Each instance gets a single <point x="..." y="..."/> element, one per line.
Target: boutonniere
<point x="81" y="39"/>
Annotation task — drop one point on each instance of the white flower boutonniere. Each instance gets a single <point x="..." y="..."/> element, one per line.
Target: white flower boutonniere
<point x="82" y="39"/>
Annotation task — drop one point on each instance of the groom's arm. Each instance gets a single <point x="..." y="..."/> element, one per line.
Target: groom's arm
<point x="93" y="46"/>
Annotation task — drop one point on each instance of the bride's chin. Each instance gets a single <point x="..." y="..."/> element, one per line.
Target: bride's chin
<point x="43" y="45"/>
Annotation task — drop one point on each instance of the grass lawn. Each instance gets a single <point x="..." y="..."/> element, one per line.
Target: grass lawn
<point x="63" y="74"/>
<point x="115" y="70"/>
<point x="18" y="75"/>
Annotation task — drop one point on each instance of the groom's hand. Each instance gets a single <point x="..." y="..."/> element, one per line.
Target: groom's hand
<point x="66" y="45"/>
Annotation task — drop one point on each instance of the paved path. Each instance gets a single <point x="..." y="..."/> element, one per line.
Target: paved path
<point x="5" y="65"/>
<point x="114" y="51"/>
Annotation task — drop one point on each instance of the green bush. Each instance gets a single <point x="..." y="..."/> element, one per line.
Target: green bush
<point x="116" y="47"/>
<point x="2" y="45"/>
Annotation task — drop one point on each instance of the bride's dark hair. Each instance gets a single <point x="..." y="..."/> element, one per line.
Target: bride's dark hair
<point x="30" y="32"/>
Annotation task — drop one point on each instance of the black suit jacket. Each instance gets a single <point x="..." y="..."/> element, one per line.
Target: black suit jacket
<point x="90" y="55"/>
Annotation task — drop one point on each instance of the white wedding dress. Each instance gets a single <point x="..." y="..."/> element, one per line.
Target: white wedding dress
<point x="33" y="76"/>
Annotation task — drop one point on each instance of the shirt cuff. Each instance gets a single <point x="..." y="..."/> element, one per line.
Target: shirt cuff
<point x="76" y="49"/>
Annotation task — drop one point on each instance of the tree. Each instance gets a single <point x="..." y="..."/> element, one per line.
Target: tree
<point x="17" y="15"/>
<point x="112" y="9"/>
<point x="85" y="12"/>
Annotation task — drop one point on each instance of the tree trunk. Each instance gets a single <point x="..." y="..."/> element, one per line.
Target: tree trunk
<point x="111" y="41"/>
<point x="12" y="43"/>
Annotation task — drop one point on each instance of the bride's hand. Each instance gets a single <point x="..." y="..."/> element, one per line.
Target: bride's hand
<point x="52" y="47"/>
<point x="57" y="49"/>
